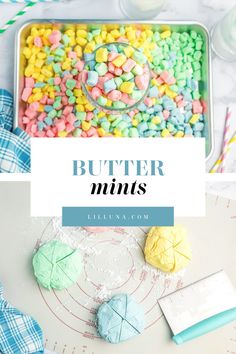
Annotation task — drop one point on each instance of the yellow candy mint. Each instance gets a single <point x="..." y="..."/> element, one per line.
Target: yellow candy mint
<point x="156" y="120"/>
<point x="62" y="134"/>
<point x="165" y="34"/>
<point x="167" y="248"/>
<point x="194" y="118"/>
<point x="128" y="51"/>
<point x="101" y="132"/>
<point x="165" y="133"/>
<point x="101" y="55"/>
<point x="127" y="87"/>
<point x="119" y="61"/>
<point x="86" y="125"/>
<point x="179" y="134"/>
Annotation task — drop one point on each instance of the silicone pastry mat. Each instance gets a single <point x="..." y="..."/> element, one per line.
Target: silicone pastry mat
<point x="113" y="264"/>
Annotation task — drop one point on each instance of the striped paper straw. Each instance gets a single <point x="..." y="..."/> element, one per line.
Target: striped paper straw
<point x="219" y="161"/>
<point x="17" y="16"/>
<point x="22" y="1"/>
<point x="226" y="139"/>
<point x="29" y="4"/>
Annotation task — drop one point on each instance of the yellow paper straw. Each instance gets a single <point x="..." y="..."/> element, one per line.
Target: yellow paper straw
<point x="219" y="161"/>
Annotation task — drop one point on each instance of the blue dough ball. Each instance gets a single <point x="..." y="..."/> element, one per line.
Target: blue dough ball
<point x="120" y="319"/>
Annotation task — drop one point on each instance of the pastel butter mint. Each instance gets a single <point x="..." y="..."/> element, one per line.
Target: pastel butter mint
<point x="57" y="265"/>
<point x="167" y="248"/>
<point x="120" y="319"/>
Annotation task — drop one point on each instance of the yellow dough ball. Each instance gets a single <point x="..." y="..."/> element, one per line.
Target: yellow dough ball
<point x="167" y="248"/>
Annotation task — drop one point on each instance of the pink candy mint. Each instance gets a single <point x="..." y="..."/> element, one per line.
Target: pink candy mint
<point x="178" y="98"/>
<point x="181" y="104"/>
<point x="25" y="120"/>
<point x="60" y="124"/>
<point x="118" y="71"/>
<point x="67" y="77"/>
<point x="26" y="94"/>
<point x="38" y="42"/>
<point x="83" y="76"/>
<point x="112" y="56"/>
<point x="109" y="76"/>
<point x="72" y="55"/>
<point x="92" y="132"/>
<point x="67" y="110"/>
<point x="128" y="65"/>
<point x="34" y="106"/>
<point x="63" y="87"/>
<point x="171" y="81"/>
<point x="29" y="82"/>
<point x="78" y="85"/>
<point x="95" y="92"/>
<point x="54" y="130"/>
<point x="57" y="80"/>
<point x="50" y="101"/>
<point x="167" y="78"/>
<point x="101" y="81"/>
<point x="80" y="65"/>
<point x="111" y="68"/>
<point x="54" y="37"/>
<point x="30" y="114"/>
<point x="141" y="81"/>
<point x="50" y="134"/>
<point x="153" y="75"/>
<point x="89" y="116"/>
<point x="44" y="99"/>
<point x="197" y="107"/>
<point x="114" y="95"/>
<point x="131" y="102"/>
<point x="55" y="46"/>
<point x="42" y="116"/>
<point x="166" y="114"/>
<point x="64" y="100"/>
<point x="131" y="114"/>
<point x="122" y="40"/>
<point x="160" y="81"/>
<point x="125" y="98"/>
<point x="69" y="127"/>
<point x="148" y="102"/>
<point x="33" y="128"/>
<point x="71" y="118"/>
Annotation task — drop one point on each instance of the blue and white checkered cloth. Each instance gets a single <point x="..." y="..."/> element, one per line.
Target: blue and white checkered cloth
<point x="14" y="143"/>
<point x="19" y="333"/>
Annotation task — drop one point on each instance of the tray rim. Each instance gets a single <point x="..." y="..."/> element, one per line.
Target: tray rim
<point x="125" y="22"/>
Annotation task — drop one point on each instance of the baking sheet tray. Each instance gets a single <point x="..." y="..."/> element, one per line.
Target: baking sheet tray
<point x="180" y="26"/>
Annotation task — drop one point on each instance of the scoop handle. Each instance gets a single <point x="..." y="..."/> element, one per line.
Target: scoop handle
<point x="205" y="326"/>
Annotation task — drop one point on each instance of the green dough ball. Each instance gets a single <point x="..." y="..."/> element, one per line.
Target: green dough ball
<point x="56" y="265"/>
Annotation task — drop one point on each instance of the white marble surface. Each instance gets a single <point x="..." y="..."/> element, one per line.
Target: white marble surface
<point x="206" y="11"/>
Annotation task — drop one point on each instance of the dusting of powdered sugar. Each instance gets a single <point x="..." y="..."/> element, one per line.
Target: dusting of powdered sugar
<point x="113" y="260"/>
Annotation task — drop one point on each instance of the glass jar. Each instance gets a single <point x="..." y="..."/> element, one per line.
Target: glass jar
<point x="128" y="100"/>
<point x="224" y="36"/>
<point x="141" y="9"/>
